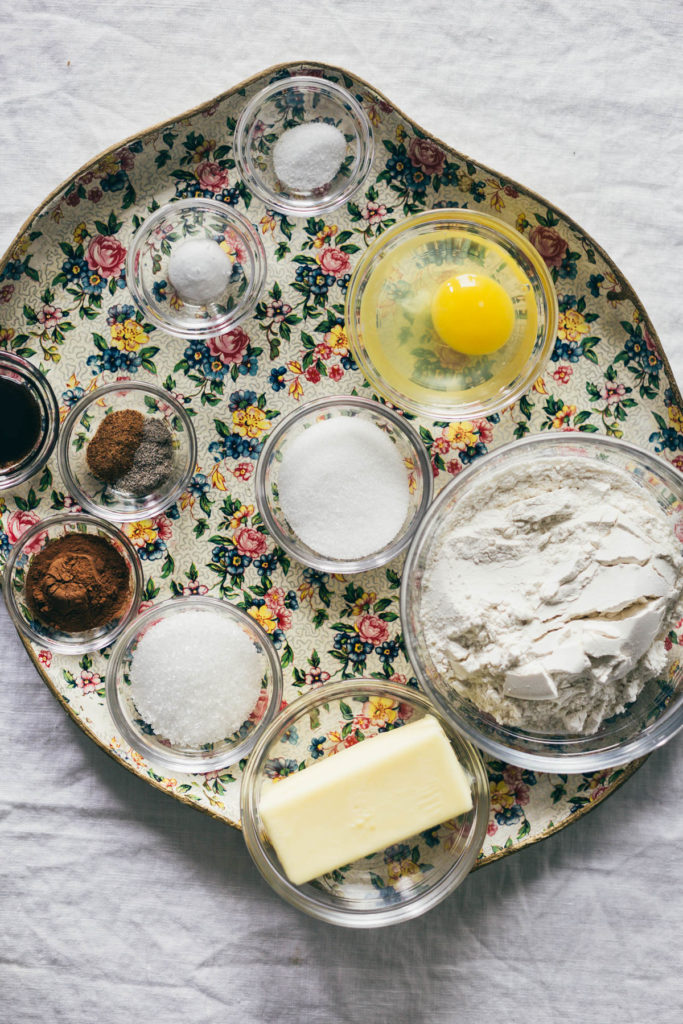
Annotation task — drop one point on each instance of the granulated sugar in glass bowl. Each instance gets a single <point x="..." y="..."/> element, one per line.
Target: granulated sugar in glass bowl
<point x="342" y="483"/>
<point x="192" y="683"/>
<point x="303" y="145"/>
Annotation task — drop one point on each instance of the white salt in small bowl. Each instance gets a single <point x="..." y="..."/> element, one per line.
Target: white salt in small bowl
<point x="156" y="748"/>
<point x="261" y="145"/>
<point x="161" y="243"/>
<point x="106" y="499"/>
<point x="408" y="445"/>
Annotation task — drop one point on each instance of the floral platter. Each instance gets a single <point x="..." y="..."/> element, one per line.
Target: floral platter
<point x="64" y="304"/>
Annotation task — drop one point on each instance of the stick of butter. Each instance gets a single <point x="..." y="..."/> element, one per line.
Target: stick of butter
<point x="363" y="799"/>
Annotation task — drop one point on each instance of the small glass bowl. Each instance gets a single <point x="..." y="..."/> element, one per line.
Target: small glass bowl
<point x="657" y="713"/>
<point x="401" y="432"/>
<point x="139" y="734"/>
<point x="389" y="323"/>
<point x="28" y="545"/>
<point x="389" y="886"/>
<point x="105" y="499"/>
<point x="147" y="267"/>
<point x="283" y="105"/>
<point x="18" y="369"/>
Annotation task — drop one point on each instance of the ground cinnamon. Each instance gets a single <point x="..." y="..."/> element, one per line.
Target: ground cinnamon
<point x="77" y="582"/>
<point x="111" y="452"/>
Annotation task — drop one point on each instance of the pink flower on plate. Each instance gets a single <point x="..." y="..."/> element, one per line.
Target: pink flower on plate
<point x="372" y="629"/>
<point x="89" y="681"/>
<point x="612" y="393"/>
<point x="49" y="316"/>
<point x="563" y="374"/>
<point x="484" y="429"/>
<point x="250" y="542"/>
<point x="17" y="525"/>
<point x="316" y="677"/>
<point x="441" y="445"/>
<point x="334" y="261"/>
<point x="229" y="347"/>
<point x="549" y="243"/>
<point x="260" y="707"/>
<point x="6" y="292"/>
<point x="454" y="466"/>
<point x="426" y="155"/>
<point x="374" y="213"/>
<point x="312" y="374"/>
<point x="163" y="527"/>
<point x="335" y="372"/>
<point x="45" y="658"/>
<point x="491" y="828"/>
<point x="106" y="256"/>
<point x="243" y="470"/>
<point x="398" y="677"/>
<point x="212" y="176"/>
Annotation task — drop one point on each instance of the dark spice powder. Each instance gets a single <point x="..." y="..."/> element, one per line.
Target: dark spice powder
<point x="77" y="582"/>
<point x="21" y="422"/>
<point x="111" y="452"/>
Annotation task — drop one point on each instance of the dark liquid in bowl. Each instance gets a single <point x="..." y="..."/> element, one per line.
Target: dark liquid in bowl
<point x="20" y="422"/>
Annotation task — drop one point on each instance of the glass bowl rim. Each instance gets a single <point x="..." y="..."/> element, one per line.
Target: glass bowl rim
<point x="321" y="562"/>
<point x="648" y="739"/>
<point x="381" y="916"/>
<point x="453" y="216"/>
<point x="20" y="472"/>
<point x="217" y="325"/>
<point x="76" y="646"/>
<point x="64" y="452"/>
<point x="274" y="200"/>
<point x="177" y="762"/>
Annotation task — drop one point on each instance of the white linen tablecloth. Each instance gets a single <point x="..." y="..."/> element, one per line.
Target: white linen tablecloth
<point x="116" y="902"/>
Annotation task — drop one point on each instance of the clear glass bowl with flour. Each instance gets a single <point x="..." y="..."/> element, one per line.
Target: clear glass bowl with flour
<point x="541" y="602"/>
<point x="342" y="484"/>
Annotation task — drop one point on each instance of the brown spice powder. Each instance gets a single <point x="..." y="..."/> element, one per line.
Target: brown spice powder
<point x="111" y="452"/>
<point x="78" y="582"/>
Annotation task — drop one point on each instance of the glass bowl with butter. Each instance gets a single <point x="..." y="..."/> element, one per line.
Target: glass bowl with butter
<point x="542" y="602"/>
<point x="451" y="314"/>
<point x="361" y="806"/>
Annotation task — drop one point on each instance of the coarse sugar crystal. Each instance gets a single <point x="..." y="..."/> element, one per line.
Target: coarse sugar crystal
<point x="196" y="677"/>
<point x="343" y="488"/>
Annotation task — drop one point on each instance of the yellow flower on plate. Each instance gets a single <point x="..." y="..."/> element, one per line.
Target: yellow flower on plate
<point x="250" y="422"/>
<point x="676" y="416"/>
<point x="337" y="340"/>
<point x="461" y="435"/>
<point x="571" y="326"/>
<point x="242" y="513"/>
<point x="268" y="223"/>
<point x="265" y="617"/>
<point x="501" y="796"/>
<point x="362" y="602"/>
<point x="381" y="709"/>
<point x="128" y="336"/>
<point x="565" y="413"/>
<point x="142" y="532"/>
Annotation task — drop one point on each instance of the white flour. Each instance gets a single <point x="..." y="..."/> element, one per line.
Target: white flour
<point x="546" y="590"/>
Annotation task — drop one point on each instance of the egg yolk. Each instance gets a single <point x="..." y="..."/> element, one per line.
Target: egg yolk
<point x="473" y="314"/>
